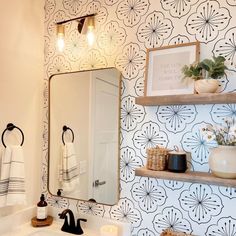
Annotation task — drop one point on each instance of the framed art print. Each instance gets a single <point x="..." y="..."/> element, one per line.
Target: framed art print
<point x="164" y="69"/>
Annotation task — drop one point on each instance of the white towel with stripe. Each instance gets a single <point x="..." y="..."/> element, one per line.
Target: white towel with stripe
<point x="68" y="169"/>
<point x="12" y="182"/>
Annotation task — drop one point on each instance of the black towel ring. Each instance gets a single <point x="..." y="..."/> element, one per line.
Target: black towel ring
<point x="65" y="128"/>
<point x="10" y="127"/>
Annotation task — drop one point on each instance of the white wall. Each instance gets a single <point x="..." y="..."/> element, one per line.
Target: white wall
<point x="21" y="83"/>
<point x="123" y="33"/>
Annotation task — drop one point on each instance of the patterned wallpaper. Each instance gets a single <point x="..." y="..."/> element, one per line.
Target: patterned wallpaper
<point x="124" y="30"/>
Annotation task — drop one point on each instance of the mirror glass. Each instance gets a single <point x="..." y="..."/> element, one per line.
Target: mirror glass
<point x="84" y="125"/>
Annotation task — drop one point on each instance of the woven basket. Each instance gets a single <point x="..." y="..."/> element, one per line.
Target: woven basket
<point x="157" y="158"/>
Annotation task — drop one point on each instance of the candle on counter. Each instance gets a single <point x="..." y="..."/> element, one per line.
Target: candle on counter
<point x="109" y="230"/>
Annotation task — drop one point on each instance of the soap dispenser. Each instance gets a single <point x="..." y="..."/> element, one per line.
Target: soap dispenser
<point x="42" y="208"/>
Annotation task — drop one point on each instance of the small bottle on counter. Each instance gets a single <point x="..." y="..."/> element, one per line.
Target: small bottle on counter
<point x="42" y="208"/>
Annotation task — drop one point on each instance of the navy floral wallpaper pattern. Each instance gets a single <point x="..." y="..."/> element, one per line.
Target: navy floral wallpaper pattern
<point x="124" y="30"/>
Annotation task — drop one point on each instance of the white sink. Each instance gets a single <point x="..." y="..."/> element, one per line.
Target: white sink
<point x="90" y="228"/>
<point x="55" y="230"/>
<point x="46" y="232"/>
<point x="52" y="230"/>
<point x="49" y="232"/>
<point x="52" y="233"/>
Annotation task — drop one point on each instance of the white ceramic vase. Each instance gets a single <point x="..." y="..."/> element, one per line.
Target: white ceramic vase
<point x="222" y="161"/>
<point x="206" y="85"/>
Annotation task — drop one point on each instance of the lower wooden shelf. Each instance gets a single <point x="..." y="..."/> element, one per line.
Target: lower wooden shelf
<point x="188" y="176"/>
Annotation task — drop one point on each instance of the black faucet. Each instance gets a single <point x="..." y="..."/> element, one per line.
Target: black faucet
<point x="79" y="228"/>
<point x="71" y="228"/>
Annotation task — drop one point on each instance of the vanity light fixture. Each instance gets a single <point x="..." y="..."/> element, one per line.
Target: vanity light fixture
<point x="86" y="25"/>
<point x="90" y="30"/>
<point x="60" y="37"/>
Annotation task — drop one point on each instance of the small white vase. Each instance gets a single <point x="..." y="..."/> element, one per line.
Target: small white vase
<point x="206" y="85"/>
<point x="222" y="161"/>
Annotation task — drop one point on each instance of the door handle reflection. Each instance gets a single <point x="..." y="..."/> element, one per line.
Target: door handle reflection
<point x="96" y="183"/>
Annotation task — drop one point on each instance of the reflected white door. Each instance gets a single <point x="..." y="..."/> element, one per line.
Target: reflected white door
<point x="105" y="140"/>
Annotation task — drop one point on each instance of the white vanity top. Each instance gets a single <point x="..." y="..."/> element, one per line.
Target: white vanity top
<point x="52" y="230"/>
<point x="19" y="224"/>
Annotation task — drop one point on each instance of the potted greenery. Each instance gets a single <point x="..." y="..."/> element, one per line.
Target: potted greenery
<point x="206" y="74"/>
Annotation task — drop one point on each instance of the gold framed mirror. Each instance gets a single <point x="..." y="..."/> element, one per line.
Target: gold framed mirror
<point x="84" y="143"/>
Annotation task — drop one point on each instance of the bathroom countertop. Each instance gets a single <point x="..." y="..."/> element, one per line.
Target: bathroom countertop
<point x="55" y="229"/>
<point x="19" y="224"/>
<point x="27" y="229"/>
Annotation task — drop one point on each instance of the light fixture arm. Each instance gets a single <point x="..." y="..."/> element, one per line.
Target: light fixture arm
<point x="77" y="18"/>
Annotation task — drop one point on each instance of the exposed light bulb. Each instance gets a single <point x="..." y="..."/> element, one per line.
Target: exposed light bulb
<point x="90" y="37"/>
<point x="60" y="43"/>
<point x="90" y="31"/>
<point x="60" y="37"/>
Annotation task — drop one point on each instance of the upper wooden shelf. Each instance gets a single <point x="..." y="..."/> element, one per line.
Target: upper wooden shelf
<point x="209" y="98"/>
<point x="189" y="176"/>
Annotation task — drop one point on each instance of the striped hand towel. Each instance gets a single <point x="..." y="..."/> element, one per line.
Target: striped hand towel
<point x="68" y="171"/>
<point x="12" y="182"/>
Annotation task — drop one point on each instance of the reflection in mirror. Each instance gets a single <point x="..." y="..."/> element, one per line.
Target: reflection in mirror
<point x="84" y="135"/>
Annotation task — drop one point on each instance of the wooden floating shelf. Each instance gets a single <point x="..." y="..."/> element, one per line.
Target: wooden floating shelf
<point x="189" y="176"/>
<point x="209" y="98"/>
